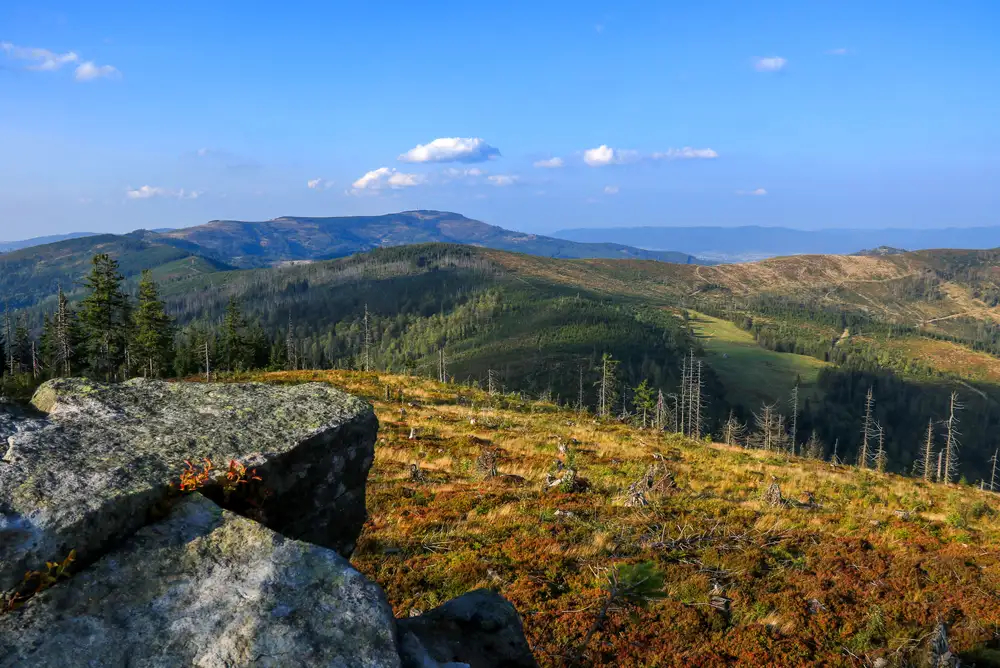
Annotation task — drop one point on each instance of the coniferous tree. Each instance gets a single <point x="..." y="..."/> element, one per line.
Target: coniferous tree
<point x="881" y="458"/>
<point x="153" y="339"/>
<point x="927" y="461"/>
<point x="22" y="347"/>
<point x="813" y="448"/>
<point x="993" y="472"/>
<point x="366" y="350"/>
<point x="642" y="399"/>
<point x="66" y="337"/>
<point x="235" y="348"/>
<point x="104" y="318"/>
<point x="733" y="430"/>
<point x="660" y="417"/>
<point x="697" y="387"/>
<point x="291" y="349"/>
<point x="867" y="432"/>
<point x="951" y="440"/>
<point x="766" y="421"/>
<point x="8" y="341"/>
<point x="606" y="386"/>
<point x="47" y="346"/>
<point x="794" y="401"/>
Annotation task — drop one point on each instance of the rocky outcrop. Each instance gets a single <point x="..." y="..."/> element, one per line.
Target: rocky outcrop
<point x="205" y="587"/>
<point x="479" y="629"/>
<point x="165" y="577"/>
<point x="90" y="474"/>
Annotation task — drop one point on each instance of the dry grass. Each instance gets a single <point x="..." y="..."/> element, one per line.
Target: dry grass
<point x="803" y="580"/>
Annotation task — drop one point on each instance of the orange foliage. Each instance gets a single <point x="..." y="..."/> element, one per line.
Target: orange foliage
<point x="35" y="582"/>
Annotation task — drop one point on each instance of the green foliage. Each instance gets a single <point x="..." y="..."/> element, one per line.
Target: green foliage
<point x="635" y="584"/>
<point x="104" y="317"/>
<point x="644" y="399"/>
<point x="153" y="343"/>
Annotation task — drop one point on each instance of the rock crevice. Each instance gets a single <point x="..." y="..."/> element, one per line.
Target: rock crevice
<point x="165" y="578"/>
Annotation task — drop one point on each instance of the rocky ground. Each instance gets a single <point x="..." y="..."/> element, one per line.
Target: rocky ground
<point x="160" y="524"/>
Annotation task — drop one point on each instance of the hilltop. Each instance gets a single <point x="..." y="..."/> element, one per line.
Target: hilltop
<point x="7" y="246"/>
<point x="256" y="244"/>
<point x="31" y="271"/>
<point x="849" y="568"/>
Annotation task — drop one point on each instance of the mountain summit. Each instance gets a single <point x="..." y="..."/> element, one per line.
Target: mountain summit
<point x="258" y="244"/>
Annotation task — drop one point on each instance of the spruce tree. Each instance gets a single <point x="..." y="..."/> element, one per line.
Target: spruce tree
<point x="66" y="338"/>
<point x="234" y="340"/>
<point x="104" y="318"/>
<point x="8" y="341"/>
<point x="22" y="345"/>
<point x="153" y="343"/>
<point x="606" y="386"/>
<point x="643" y="401"/>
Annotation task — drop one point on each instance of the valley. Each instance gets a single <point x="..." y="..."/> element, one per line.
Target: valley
<point x="753" y="375"/>
<point x="913" y="326"/>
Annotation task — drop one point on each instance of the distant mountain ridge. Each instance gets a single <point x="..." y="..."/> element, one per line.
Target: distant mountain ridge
<point x="738" y="244"/>
<point x="8" y="246"/>
<point x="258" y="244"/>
<point x="33" y="273"/>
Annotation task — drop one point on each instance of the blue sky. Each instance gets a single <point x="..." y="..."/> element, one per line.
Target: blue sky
<point x="121" y="115"/>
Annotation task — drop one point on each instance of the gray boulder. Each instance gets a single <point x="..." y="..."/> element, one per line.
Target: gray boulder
<point x="480" y="629"/>
<point x="208" y="588"/>
<point x="96" y="470"/>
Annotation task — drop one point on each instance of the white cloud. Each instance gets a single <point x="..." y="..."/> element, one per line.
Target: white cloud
<point x="769" y="63"/>
<point x="686" y="153"/>
<point x="319" y="184"/>
<point x="44" y="59"/>
<point x="551" y="163"/>
<point x="610" y="190"/>
<point x="503" y="179"/>
<point x="469" y="173"/>
<point x="605" y="155"/>
<point x="837" y="52"/>
<point x="148" y="192"/>
<point x="88" y="71"/>
<point x="385" y="177"/>
<point x="202" y="152"/>
<point x="757" y="192"/>
<point x="451" y="149"/>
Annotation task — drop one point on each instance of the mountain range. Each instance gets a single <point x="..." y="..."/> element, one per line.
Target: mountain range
<point x="8" y="246"/>
<point x="916" y="325"/>
<point x="32" y="270"/>
<point x="739" y="244"/>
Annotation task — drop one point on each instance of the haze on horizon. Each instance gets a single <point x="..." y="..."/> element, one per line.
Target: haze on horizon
<point x="537" y="118"/>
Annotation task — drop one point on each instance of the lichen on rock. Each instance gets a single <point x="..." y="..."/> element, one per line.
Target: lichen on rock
<point x="88" y="475"/>
<point x="209" y="588"/>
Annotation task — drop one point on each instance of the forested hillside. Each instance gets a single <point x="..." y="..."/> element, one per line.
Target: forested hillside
<point x="33" y="274"/>
<point x="795" y="348"/>
<point x="433" y="304"/>
<point x="261" y="244"/>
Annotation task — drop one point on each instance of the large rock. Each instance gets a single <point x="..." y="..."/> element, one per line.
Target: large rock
<point x="89" y="475"/>
<point x="206" y="588"/>
<point x="480" y="629"/>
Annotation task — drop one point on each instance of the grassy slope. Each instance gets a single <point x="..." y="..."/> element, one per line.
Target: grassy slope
<point x="751" y="374"/>
<point x="810" y="586"/>
<point x="874" y="285"/>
